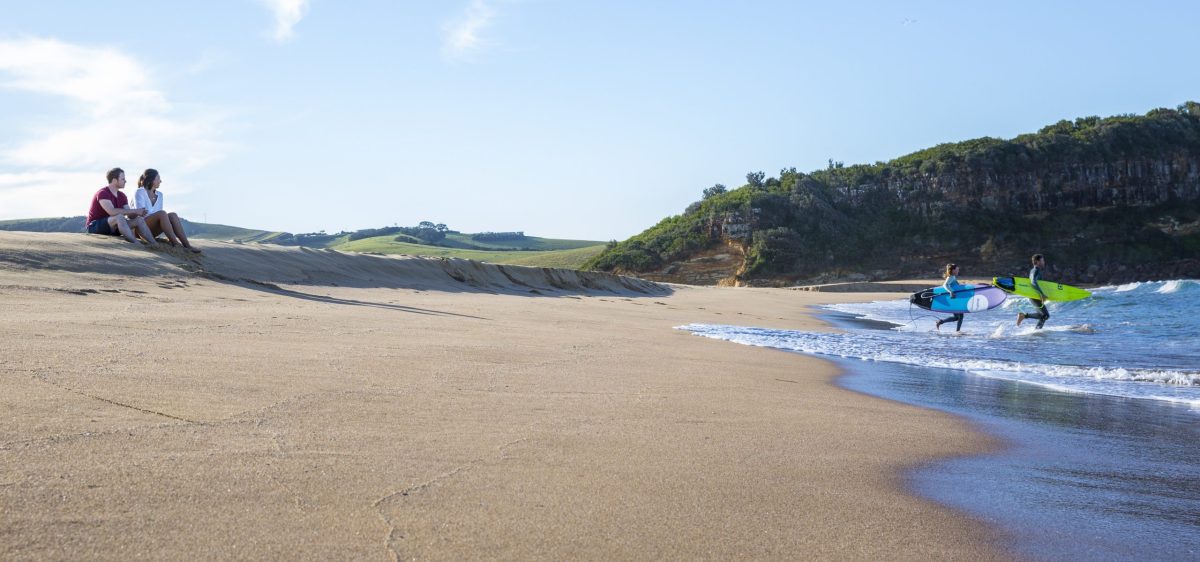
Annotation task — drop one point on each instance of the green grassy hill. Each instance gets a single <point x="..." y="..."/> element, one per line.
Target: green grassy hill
<point x="465" y="241"/>
<point x="225" y="232"/>
<point x="571" y="253"/>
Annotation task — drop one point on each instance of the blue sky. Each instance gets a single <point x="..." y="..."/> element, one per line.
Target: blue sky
<point x="565" y="119"/>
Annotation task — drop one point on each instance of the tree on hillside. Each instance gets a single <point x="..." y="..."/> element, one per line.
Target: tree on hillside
<point x="755" y="179"/>
<point x="716" y="189"/>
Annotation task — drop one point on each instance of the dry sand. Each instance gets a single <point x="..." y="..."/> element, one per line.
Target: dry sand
<point x="281" y="403"/>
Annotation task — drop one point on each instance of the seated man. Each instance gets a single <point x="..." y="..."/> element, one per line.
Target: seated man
<point x="110" y="207"/>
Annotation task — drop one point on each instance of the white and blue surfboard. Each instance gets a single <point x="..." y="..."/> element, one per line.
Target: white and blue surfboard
<point x="969" y="298"/>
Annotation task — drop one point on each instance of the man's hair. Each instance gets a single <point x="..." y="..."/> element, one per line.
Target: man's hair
<point x="114" y="174"/>
<point x="1036" y="257"/>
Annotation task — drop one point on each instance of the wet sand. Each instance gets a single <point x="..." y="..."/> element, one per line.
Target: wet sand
<point x="279" y="403"/>
<point x="1082" y="476"/>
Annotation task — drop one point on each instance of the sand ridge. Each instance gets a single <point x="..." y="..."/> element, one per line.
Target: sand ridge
<point x="267" y="403"/>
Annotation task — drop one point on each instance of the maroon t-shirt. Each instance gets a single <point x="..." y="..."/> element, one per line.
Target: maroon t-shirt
<point x="97" y="212"/>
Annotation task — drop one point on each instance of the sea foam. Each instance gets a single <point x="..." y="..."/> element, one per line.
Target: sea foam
<point x="1135" y="340"/>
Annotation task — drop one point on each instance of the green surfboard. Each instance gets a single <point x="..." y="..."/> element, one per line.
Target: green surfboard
<point x="1021" y="286"/>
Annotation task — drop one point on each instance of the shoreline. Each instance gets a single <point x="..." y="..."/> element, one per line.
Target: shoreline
<point x="380" y="408"/>
<point x="1120" y="470"/>
<point x="995" y="443"/>
<point x="1117" y="472"/>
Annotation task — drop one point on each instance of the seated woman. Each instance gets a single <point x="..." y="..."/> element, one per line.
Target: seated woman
<point x="157" y="219"/>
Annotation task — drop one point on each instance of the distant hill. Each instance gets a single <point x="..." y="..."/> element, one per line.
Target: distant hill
<point x="194" y="229"/>
<point x="58" y="224"/>
<point x="504" y="248"/>
<point x="1107" y="199"/>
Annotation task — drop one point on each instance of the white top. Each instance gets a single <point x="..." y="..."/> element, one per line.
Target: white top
<point x="141" y="200"/>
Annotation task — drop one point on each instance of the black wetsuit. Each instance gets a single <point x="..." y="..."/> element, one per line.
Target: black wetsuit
<point x="951" y="284"/>
<point x="957" y="317"/>
<point x="1042" y="315"/>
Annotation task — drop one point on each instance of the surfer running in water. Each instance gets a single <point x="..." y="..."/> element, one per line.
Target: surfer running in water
<point x="1035" y="276"/>
<point x="951" y="284"/>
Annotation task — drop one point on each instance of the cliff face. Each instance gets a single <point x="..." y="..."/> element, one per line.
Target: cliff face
<point x="719" y="265"/>
<point x="1140" y="181"/>
<point x="1166" y="188"/>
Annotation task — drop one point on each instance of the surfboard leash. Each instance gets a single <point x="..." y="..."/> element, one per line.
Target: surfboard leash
<point x="912" y="320"/>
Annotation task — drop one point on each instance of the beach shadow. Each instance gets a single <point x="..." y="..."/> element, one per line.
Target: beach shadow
<point x="277" y="290"/>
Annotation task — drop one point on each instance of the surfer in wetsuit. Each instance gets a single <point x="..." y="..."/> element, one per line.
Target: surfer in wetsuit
<point x="1035" y="275"/>
<point x="951" y="284"/>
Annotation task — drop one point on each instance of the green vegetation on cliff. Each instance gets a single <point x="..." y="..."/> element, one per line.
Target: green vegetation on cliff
<point x="1104" y="194"/>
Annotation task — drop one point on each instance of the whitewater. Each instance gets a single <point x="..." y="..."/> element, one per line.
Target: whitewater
<point x="1139" y="340"/>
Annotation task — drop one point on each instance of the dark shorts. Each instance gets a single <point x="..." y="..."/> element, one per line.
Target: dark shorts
<point x="100" y="226"/>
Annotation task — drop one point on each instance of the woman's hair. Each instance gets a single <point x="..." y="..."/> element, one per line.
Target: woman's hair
<point x="147" y="179"/>
<point x="949" y="268"/>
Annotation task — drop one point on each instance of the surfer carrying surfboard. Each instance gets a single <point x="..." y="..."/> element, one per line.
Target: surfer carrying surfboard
<point x="1035" y="276"/>
<point x="951" y="284"/>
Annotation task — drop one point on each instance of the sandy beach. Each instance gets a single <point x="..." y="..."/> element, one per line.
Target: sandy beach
<point x="265" y="402"/>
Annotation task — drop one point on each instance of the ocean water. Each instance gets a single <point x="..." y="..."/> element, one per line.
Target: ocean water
<point x="1099" y="412"/>
<point x="1140" y="340"/>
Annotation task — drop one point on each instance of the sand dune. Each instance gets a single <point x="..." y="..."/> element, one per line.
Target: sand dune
<point x="261" y="402"/>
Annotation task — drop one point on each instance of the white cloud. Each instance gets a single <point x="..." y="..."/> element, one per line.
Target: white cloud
<point x="48" y="194"/>
<point x="127" y="138"/>
<point x="113" y="113"/>
<point x="102" y="79"/>
<point x="463" y="36"/>
<point x="287" y="13"/>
